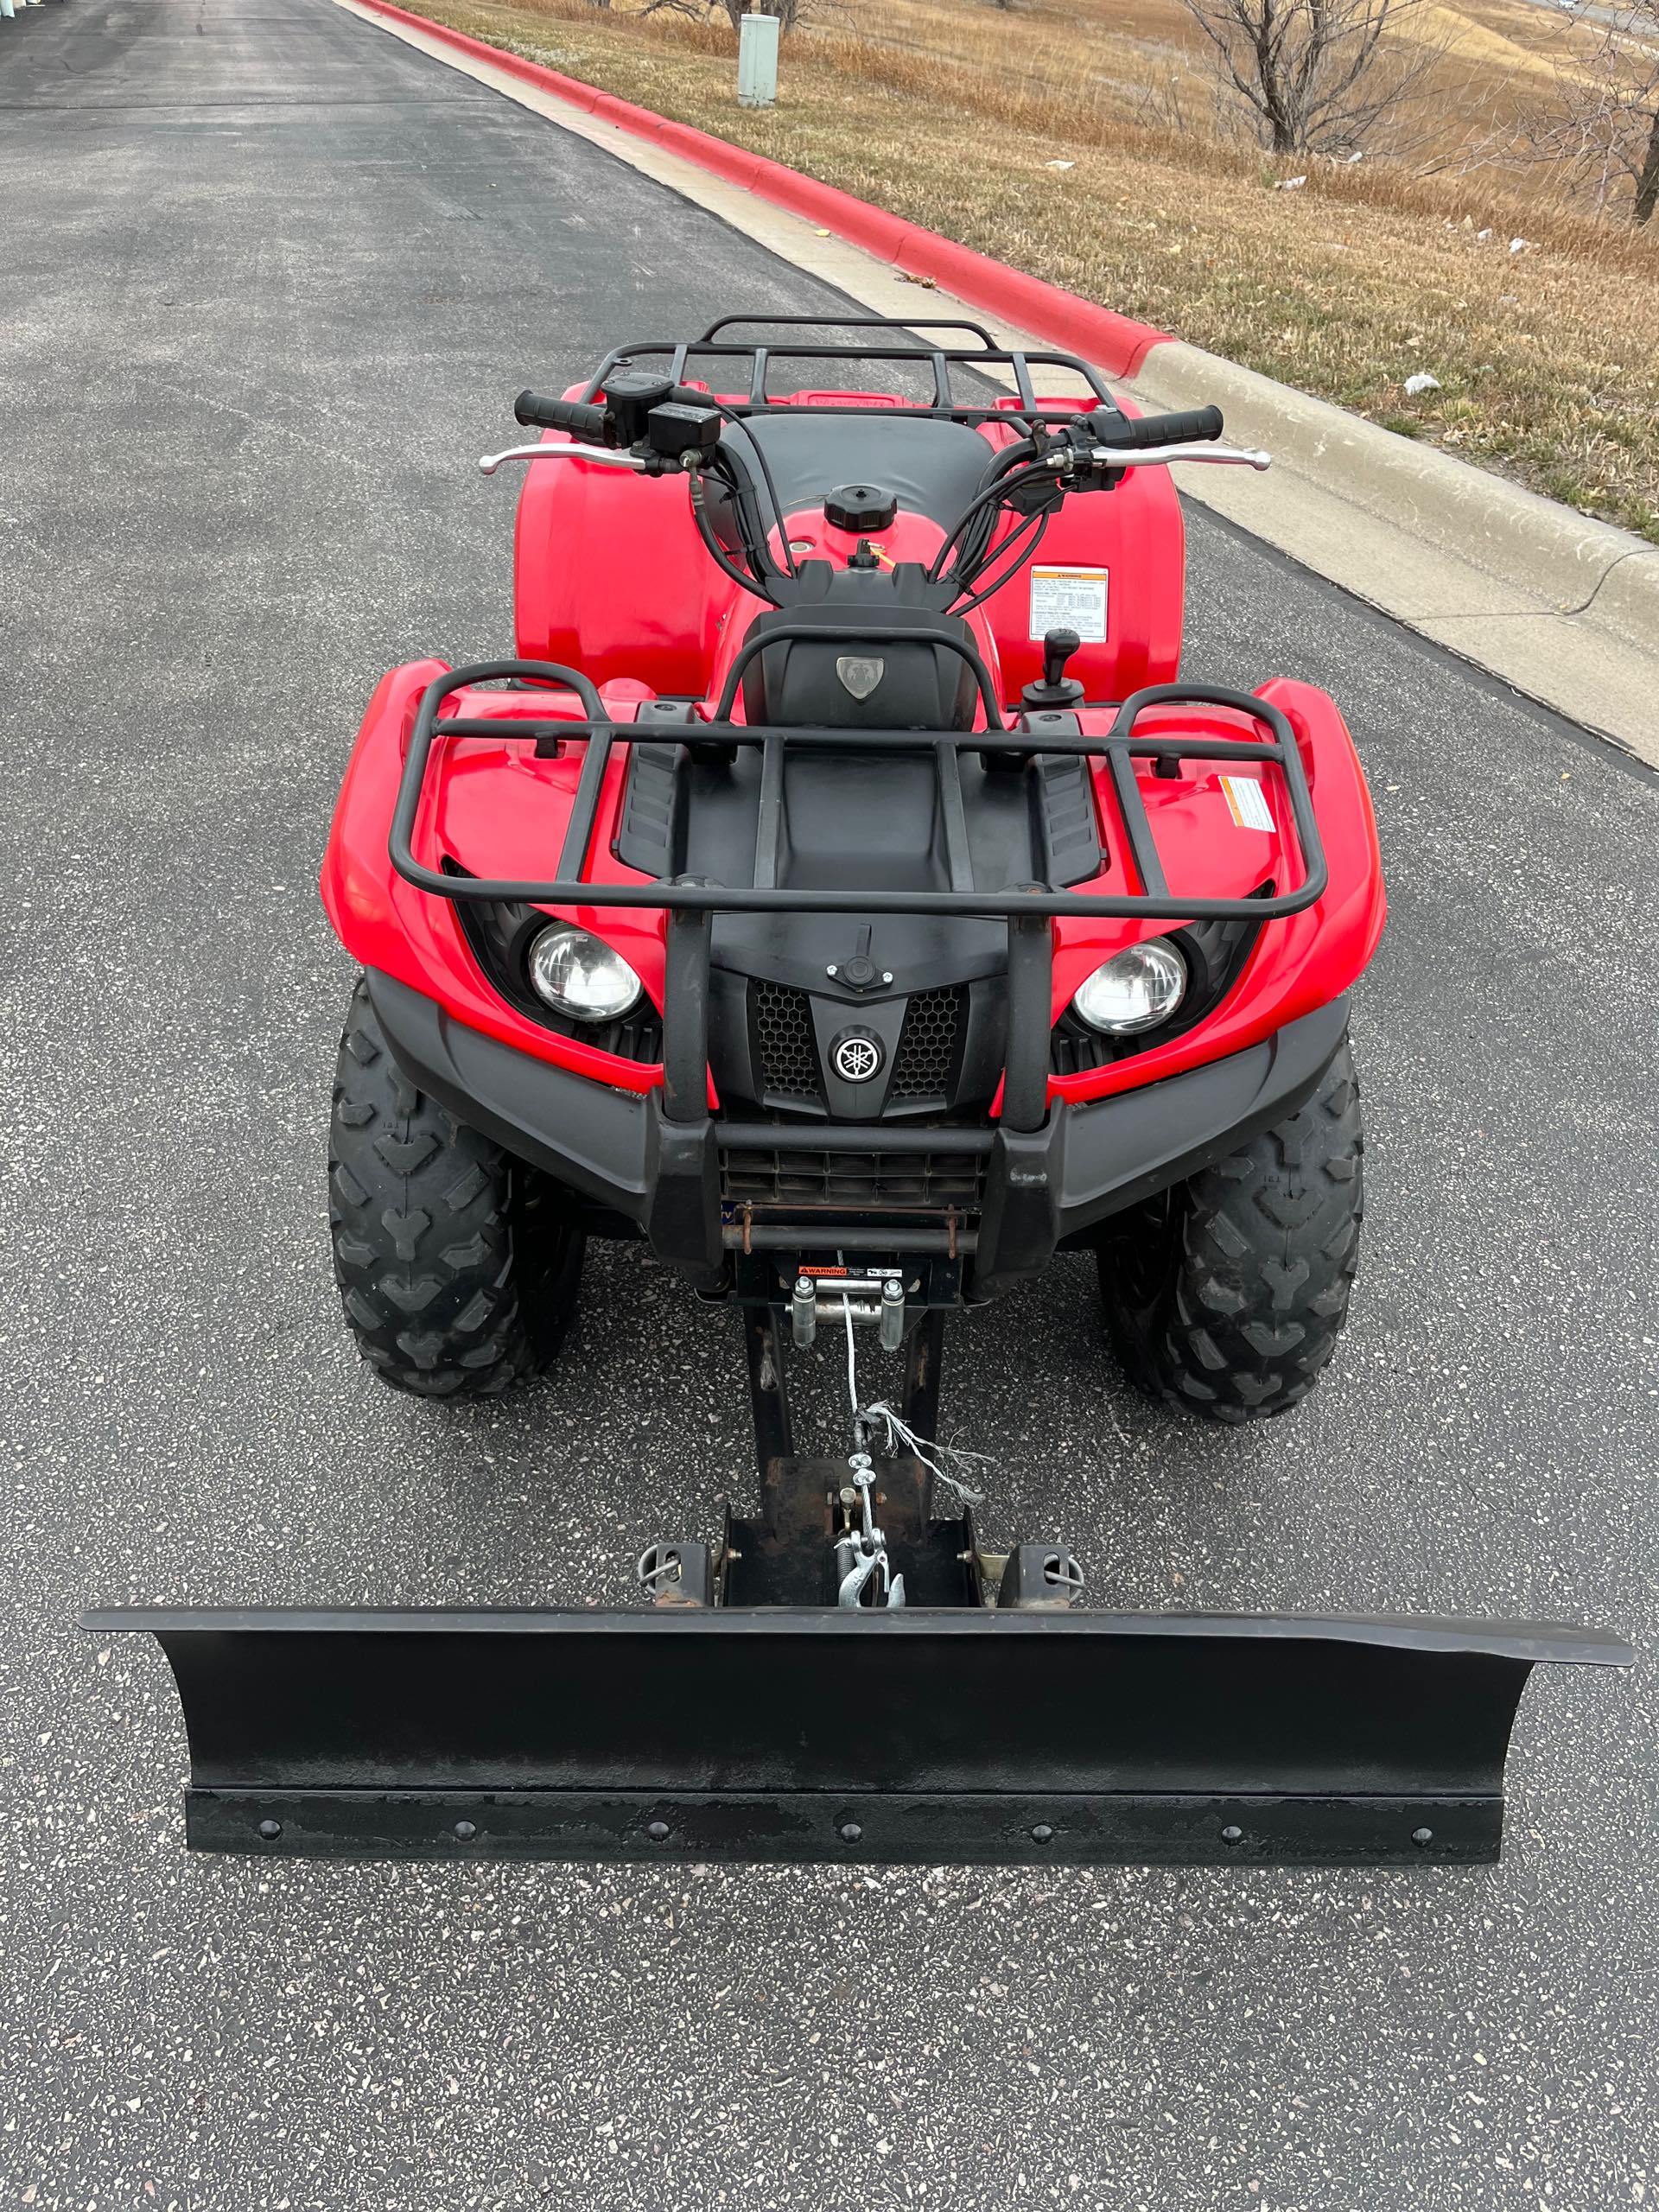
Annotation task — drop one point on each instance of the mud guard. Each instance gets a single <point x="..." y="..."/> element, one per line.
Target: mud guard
<point x="927" y="1737"/>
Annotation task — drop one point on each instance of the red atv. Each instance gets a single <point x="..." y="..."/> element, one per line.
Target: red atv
<point x="841" y="893"/>
<point x="935" y="927"/>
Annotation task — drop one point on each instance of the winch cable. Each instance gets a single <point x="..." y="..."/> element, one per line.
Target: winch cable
<point x="898" y="1436"/>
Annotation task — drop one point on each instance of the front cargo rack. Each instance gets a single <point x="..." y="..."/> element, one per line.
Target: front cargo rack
<point x="691" y="905"/>
<point x="1119" y="746"/>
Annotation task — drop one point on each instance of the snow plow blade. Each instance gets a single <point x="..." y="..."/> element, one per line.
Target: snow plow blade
<point x="926" y="1737"/>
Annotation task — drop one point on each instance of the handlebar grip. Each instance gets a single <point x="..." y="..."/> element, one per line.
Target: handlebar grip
<point x="1186" y="427"/>
<point x="575" y="415"/>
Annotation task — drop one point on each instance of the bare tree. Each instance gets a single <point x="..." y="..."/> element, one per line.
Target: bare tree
<point x="788" y="12"/>
<point x="1601" y="129"/>
<point x="1314" y="76"/>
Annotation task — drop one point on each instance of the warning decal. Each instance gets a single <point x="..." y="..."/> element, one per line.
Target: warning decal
<point x="1247" y="802"/>
<point x="1070" y="599"/>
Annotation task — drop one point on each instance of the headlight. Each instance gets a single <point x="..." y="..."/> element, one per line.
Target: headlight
<point x="580" y="977"/>
<point x="1133" y="990"/>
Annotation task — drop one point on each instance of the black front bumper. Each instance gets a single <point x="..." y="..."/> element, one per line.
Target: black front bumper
<point x="618" y="1151"/>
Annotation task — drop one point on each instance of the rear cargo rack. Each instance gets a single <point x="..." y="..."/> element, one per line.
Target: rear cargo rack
<point x="756" y="361"/>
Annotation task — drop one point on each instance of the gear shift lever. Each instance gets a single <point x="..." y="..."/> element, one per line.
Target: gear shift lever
<point x="1057" y="690"/>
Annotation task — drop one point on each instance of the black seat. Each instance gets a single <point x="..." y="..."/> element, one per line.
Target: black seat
<point x="934" y="467"/>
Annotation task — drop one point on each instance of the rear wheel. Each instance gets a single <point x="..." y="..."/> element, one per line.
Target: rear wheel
<point x="1225" y="1295"/>
<point x="456" y="1272"/>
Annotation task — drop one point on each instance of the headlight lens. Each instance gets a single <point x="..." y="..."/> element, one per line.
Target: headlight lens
<point x="1135" y="990"/>
<point x="580" y="977"/>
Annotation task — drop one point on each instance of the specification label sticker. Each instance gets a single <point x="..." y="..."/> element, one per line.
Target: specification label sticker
<point x="1070" y="599"/>
<point x="1247" y="802"/>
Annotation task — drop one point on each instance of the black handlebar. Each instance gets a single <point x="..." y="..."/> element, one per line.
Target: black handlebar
<point x="618" y="421"/>
<point x="591" y="424"/>
<point x="1186" y="427"/>
<point x="636" y="401"/>
<point x="573" y="415"/>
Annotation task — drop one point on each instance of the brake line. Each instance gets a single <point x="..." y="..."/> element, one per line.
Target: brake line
<point x="1025" y="552"/>
<point x="717" y="552"/>
<point x="993" y="495"/>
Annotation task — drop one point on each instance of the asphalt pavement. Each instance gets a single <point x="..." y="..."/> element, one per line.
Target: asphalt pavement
<point x="268" y="281"/>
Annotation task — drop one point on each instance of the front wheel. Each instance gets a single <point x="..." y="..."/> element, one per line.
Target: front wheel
<point x="456" y="1272"/>
<point x="1225" y="1295"/>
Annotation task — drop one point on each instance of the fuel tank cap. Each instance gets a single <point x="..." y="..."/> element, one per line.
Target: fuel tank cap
<point x="861" y="506"/>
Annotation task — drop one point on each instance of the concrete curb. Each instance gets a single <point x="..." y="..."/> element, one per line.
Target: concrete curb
<point x="1566" y="563"/>
<point x="1564" y="609"/>
<point x="1627" y="598"/>
<point x="1118" y="343"/>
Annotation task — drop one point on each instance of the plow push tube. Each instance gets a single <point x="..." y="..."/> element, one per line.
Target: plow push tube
<point x="921" y="1736"/>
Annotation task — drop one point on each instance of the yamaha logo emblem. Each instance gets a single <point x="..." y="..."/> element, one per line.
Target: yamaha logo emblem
<point x="857" y="1056"/>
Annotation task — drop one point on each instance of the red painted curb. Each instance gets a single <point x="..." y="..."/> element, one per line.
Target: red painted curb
<point x="1114" y="342"/>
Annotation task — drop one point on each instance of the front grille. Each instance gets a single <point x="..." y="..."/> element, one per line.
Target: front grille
<point x="925" y="1060"/>
<point x="785" y="1047"/>
<point x="861" y="1181"/>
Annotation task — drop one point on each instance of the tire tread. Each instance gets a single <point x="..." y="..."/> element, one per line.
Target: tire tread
<point x="1246" y="1303"/>
<point x="450" y="1286"/>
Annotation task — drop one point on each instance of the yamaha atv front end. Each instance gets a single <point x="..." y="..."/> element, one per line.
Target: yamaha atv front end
<point x="842" y="894"/>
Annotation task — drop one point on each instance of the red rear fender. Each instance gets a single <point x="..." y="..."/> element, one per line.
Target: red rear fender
<point x="609" y="573"/>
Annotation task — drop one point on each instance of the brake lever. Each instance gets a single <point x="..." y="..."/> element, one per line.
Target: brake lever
<point x="601" y="455"/>
<point x="1149" y="456"/>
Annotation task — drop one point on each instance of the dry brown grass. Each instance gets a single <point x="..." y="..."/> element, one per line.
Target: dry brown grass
<point x="1548" y="359"/>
